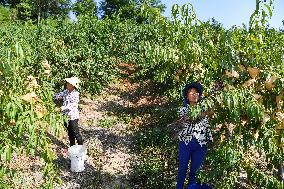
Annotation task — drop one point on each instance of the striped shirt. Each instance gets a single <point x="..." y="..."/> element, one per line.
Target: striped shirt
<point x="70" y="103"/>
<point x="199" y="129"/>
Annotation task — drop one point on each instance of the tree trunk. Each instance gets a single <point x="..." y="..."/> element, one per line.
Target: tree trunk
<point x="38" y="15"/>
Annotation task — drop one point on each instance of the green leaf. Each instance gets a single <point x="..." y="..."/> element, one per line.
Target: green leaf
<point x="269" y="10"/>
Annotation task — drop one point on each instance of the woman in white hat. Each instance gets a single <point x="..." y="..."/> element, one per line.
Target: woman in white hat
<point x="70" y="98"/>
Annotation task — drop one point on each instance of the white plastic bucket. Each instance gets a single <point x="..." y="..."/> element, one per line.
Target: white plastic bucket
<point x="77" y="155"/>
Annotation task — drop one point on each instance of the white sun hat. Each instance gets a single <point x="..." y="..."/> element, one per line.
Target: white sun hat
<point x="73" y="81"/>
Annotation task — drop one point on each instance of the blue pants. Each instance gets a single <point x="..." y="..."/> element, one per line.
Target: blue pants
<point x="194" y="152"/>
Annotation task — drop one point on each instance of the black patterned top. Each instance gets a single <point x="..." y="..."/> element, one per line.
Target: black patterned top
<point x="198" y="128"/>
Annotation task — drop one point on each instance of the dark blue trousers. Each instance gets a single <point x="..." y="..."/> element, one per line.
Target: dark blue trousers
<point x="194" y="152"/>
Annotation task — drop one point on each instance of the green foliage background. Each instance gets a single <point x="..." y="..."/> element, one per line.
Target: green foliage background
<point x="169" y="53"/>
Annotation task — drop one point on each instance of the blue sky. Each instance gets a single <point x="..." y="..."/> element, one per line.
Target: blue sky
<point x="227" y="12"/>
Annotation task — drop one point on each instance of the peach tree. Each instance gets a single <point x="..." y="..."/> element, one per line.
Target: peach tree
<point x="248" y="119"/>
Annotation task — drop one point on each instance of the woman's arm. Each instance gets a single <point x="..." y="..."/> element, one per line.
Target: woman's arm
<point x="181" y="117"/>
<point x="58" y="96"/>
<point x="217" y="86"/>
<point x="208" y="113"/>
